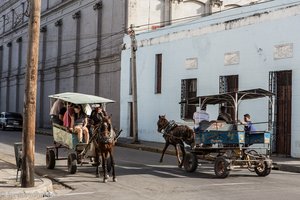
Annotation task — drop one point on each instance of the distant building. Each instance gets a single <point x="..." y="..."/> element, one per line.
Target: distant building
<point x="253" y="46"/>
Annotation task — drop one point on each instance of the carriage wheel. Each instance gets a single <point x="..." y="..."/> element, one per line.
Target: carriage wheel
<point x="222" y="167"/>
<point x="50" y="159"/>
<point x="72" y="163"/>
<point x="190" y="162"/>
<point x="262" y="169"/>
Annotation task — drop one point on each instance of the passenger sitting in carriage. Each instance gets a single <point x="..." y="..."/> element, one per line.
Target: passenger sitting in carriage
<point x="80" y="123"/>
<point x="200" y="117"/>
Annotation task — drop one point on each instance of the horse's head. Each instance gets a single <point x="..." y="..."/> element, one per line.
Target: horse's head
<point x="162" y="123"/>
<point x="105" y="127"/>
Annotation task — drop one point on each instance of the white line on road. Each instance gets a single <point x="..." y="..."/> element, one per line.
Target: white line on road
<point x="78" y="193"/>
<point x="171" y="174"/>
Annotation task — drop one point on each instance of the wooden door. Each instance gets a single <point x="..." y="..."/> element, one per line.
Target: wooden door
<point x="283" y="112"/>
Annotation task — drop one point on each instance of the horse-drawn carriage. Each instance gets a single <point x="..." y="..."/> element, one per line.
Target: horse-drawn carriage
<point x="228" y="145"/>
<point x="79" y="153"/>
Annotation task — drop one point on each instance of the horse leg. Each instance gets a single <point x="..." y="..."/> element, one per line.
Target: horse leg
<point x="113" y="166"/>
<point x="183" y="153"/>
<point x="178" y="156"/>
<point x="97" y="163"/>
<point x="104" y="164"/>
<point x="163" y="152"/>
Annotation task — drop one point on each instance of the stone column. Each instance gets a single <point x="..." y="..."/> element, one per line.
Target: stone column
<point x="9" y="45"/>
<point x="77" y="17"/>
<point x="58" y="24"/>
<point x="20" y="49"/>
<point x="41" y="73"/>
<point x="98" y="7"/>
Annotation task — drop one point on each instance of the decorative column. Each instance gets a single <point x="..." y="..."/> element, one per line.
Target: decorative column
<point x="98" y="7"/>
<point x="58" y="24"/>
<point x="41" y="73"/>
<point x="76" y="17"/>
<point x="1" y="69"/>
<point x="20" y="49"/>
<point x="9" y="45"/>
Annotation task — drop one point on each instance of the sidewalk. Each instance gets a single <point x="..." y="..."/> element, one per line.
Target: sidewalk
<point x="10" y="189"/>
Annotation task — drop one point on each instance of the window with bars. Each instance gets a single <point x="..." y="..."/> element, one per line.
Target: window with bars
<point x="158" y="73"/>
<point x="188" y="90"/>
<point x="229" y="83"/>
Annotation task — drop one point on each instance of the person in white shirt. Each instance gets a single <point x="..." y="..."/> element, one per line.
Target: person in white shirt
<point x="199" y="116"/>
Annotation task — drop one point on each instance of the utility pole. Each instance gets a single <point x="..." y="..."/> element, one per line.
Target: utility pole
<point x="29" y="111"/>
<point x="134" y="85"/>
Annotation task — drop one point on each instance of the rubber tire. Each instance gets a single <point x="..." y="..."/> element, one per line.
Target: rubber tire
<point x="221" y="167"/>
<point x="50" y="159"/>
<point x="190" y="162"/>
<point x="262" y="170"/>
<point x="72" y="163"/>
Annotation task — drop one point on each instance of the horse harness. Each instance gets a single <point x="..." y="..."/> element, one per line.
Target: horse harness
<point x="166" y="131"/>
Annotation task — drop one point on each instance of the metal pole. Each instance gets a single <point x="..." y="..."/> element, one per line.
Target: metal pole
<point x="29" y="112"/>
<point x="134" y="84"/>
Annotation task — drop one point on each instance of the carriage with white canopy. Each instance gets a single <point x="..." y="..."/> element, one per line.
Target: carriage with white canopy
<point x="78" y="153"/>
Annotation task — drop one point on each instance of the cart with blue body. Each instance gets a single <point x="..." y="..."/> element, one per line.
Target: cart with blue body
<point x="228" y="145"/>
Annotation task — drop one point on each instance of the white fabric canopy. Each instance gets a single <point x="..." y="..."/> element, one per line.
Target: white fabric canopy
<point x="79" y="98"/>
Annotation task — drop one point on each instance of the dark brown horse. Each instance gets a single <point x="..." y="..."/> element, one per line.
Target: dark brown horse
<point x="175" y="135"/>
<point x="104" y="146"/>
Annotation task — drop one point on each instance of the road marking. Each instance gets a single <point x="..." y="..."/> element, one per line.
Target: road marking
<point x="78" y="193"/>
<point x="168" y="173"/>
<point x="230" y="184"/>
<point x="125" y="167"/>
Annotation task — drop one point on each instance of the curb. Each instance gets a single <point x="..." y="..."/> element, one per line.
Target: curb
<point x="286" y="168"/>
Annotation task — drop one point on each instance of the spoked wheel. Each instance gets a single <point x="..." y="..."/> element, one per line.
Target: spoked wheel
<point x="190" y="162"/>
<point x="222" y="167"/>
<point x="262" y="168"/>
<point x="50" y="159"/>
<point x="72" y="163"/>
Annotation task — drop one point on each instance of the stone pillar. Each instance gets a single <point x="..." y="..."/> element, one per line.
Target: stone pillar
<point x="77" y="17"/>
<point x="98" y="7"/>
<point x="20" y="49"/>
<point x="58" y="24"/>
<point x="43" y="63"/>
<point x="9" y="45"/>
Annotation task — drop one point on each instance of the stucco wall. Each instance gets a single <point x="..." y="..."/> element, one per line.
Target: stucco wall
<point x="255" y="37"/>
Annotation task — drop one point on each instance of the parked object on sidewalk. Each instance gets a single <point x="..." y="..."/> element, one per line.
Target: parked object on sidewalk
<point x="175" y="135"/>
<point x="229" y="145"/>
<point x="11" y="120"/>
<point x="79" y="153"/>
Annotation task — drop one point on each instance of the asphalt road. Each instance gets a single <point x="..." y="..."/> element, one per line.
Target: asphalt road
<point x="140" y="175"/>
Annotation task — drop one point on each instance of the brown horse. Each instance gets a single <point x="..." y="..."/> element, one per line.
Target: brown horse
<point x="104" y="146"/>
<point x="175" y="134"/>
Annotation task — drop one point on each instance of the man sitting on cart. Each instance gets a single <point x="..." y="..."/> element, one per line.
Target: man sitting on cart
<point x="97" y="115"/>
<point x="248" y="124"/>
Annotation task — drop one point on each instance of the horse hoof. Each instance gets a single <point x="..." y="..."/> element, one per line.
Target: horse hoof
<point x="104" y="180"/>
<point x="115" y="180"/>
<point x="97" y="175"/>
<point x="180" y="166"/>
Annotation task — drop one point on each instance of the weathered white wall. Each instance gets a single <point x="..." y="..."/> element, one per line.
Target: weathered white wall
<point x="208" y="40"/>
